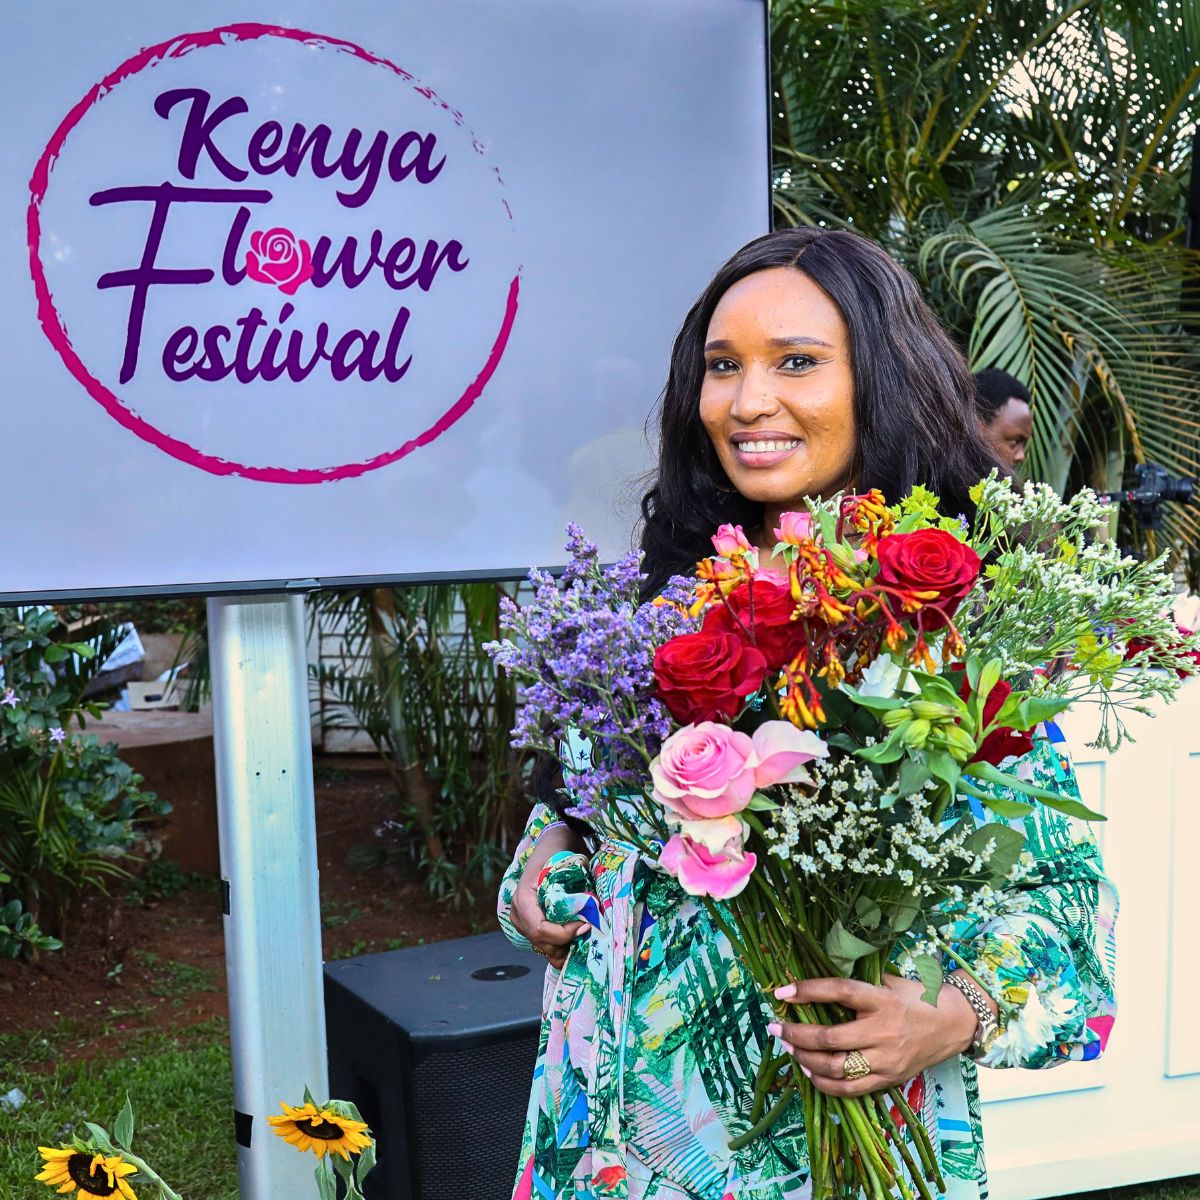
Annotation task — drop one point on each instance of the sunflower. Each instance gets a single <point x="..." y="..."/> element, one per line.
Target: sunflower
<point x="92" y="1174"/>
<point x="320" y="1130"/>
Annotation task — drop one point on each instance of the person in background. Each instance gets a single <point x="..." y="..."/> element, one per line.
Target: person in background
<point x="1005" y="412"/>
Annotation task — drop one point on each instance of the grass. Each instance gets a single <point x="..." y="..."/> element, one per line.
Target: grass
<point x="172" y="979"/>
<point x="182" y="1092"/>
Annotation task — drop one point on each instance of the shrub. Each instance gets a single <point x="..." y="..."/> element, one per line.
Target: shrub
<point x="69" y="806"/>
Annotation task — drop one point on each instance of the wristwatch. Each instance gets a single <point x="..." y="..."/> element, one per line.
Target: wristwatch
<point x="988" y="1028"/>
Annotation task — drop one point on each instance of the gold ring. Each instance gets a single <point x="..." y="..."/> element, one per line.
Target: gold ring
<point x="856" y="1066"/>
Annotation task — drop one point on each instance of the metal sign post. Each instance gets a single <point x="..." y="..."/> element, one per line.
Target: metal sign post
<point x="263" y="749"/>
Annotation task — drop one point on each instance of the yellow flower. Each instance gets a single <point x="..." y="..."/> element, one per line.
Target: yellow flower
<point x="320" y="1130"/>
<point x="92" y="1174"/>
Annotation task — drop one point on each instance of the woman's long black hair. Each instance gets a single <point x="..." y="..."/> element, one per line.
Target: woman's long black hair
<point x="913" y="398"/>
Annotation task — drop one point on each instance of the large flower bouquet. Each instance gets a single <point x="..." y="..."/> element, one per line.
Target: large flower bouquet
<point x="794" y="748"/>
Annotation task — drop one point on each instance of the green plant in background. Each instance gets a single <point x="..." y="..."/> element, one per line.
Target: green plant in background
<point x="1030" y="163"/>
<point x="19" y="932"/>
<point x="413" y="676"/>
<point x="69" y="806"/>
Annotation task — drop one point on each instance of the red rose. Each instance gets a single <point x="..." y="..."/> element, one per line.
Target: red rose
<point x="707" y="675"/>
<point x="774" y="634"/>
<point x="1003" y="742"/>
<point x="929" y="560"/>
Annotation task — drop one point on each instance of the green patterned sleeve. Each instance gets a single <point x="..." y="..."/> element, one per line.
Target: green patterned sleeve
<point x="1048" y="959"/>
<point x="540" y="819"/>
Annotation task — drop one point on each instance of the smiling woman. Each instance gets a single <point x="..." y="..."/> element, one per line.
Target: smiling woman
<point x="778" y="393"/>
<point x="810" y="362"/>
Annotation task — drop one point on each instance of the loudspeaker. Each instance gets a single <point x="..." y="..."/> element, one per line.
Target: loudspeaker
<point x="436" y="1045"/>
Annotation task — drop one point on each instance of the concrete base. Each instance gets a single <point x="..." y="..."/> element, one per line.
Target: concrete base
<point x="174" y="752"/>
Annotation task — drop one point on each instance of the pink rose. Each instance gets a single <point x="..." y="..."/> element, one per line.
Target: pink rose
<point x="704" y="771"/>
<point x="794" y="527"/>
<point x="279" y="257"/>
<point x="708" y="859"/>
<point x="782" y="750"/>
<point x="729" y="539"/>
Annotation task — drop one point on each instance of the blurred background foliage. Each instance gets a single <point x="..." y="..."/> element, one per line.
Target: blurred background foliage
<point x="1030" y="162"/>
<point x="412" y="674"/>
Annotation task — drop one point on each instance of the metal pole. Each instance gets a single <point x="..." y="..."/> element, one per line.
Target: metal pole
<point x="263" y="748"/>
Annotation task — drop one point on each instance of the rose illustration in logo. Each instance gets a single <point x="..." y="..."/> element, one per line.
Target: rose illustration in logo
<point x="279" y="257"/>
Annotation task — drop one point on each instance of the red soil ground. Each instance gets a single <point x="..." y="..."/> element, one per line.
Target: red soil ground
<point x="133" y="966"/>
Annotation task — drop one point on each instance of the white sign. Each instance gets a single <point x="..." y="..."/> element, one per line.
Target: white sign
<point x="368" y="290"/>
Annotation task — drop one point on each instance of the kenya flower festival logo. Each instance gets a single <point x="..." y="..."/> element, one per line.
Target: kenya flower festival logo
<point x="274" y="254"/>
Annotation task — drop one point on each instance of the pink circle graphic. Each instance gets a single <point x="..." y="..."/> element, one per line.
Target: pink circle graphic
<point x="55" y="330"/>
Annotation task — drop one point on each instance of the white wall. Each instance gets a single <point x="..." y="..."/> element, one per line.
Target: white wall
<point x="1134" y="1113"/>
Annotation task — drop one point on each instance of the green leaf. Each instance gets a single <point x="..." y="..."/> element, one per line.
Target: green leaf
<point x="758" y="803"/>
<point x="914" y="774"/>
<point x="868" y="912"/>
<point x="344" y="1169"/>
<point x="1010" y="810"/>
<point x="828" y="523"/>
<point x="1059" y="803"/>
<point x="936" y="688"/>
<point x="100" y="1138"/>
<point x="123" y="1129"/>
<point x="366" y="1163"/>
<point x="842" y="741"/>
<point x="1010" y="843"/>
<point x="888" y="751"/>
<point x="1036" y="709"/>
<point x="308" y="1097"/>
<point x="973" y="669"/>
<point x="943" y="766"/>
<point x="875" y="703"/>
<point x="844" y="949"/>
<point x="988" y="678"/>
<point x="326" y="1185"/>
<point x="932" y="976"/>
<point x="905" y="911"/>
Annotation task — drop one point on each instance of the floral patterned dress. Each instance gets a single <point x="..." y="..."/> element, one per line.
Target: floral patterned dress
<point x="652" y="1032"/>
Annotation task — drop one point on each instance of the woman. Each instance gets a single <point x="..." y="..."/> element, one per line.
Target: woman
<point x="810" y="364"/>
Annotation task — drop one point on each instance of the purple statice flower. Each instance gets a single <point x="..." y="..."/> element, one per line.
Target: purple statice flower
<point x="10" y="698"/>
<point x="58" y="735"/>
<point x="582" y="653"/>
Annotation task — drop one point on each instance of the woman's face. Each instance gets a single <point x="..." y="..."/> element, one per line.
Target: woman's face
<point x="778" y="393"/>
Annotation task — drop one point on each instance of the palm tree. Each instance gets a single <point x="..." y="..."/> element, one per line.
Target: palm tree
<point x="1030" y="162"/>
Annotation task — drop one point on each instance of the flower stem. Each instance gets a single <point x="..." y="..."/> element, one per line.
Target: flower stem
<point x="773" y="1114"/>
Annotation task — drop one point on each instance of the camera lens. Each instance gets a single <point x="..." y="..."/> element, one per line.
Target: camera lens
<point x="1177" y="489"/>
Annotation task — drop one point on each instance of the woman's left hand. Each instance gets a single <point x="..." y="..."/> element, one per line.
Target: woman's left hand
<point x="897" y="1032"/>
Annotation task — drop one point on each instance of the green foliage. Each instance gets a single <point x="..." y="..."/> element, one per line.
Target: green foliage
<point x="413" y="676"/>
<point x="177" y="1081"/>
<point x="18" y="930"/>
<point x="68" y="805"/>
<point x="162" y="879"/>
<point x="162" y="614"/>
<point x="1032" y="169"/>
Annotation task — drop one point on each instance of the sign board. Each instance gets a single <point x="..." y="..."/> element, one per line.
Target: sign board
<point x="376" y="290"/>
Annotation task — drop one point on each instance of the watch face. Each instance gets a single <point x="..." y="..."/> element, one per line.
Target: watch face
<point x="988" y="1040"/>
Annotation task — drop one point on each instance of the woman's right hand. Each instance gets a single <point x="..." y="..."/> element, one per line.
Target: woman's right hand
<point x="551" y="941"/>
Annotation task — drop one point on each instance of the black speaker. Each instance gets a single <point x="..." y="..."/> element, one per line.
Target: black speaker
<point x="436" y="1045"/>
